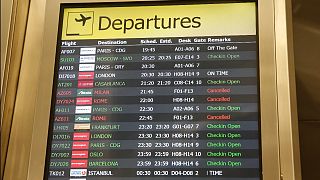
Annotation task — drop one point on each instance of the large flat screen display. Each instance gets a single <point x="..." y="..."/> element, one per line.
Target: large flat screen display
<point x="156" y="90"/>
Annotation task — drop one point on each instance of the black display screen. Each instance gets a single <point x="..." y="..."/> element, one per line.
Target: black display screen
<point x="161" y="90"/>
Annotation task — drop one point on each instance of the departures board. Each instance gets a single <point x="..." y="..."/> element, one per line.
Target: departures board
<point x="161" y="90"/>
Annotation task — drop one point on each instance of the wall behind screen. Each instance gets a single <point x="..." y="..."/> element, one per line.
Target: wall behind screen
<point x="306" y="45"/>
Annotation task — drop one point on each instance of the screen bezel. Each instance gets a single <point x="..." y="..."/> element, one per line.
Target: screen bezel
<point x="268" y="94"/>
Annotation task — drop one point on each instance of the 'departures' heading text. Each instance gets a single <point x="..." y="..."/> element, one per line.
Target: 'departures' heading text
<point x="124" y="25"/>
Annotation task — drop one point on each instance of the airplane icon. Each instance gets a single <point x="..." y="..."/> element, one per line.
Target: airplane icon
<point x="83" y="19"/>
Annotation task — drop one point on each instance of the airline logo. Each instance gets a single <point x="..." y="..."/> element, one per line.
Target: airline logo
<point x="82" y="118"/>
<point x="80" y="145"/>
<point x="86" y="67"/>
<point x="85" y="84"/>
<point x="87" y="51"/>
<point x="79" y="163"/>
<point x="84" y="101"/>
<point x="83" y="109"/>
<point x="81" y="136"/>
<point x="85" y="75"/>
<point x="79" y="154"/>
<point x="87" y="59"/>
<point x="84" y="92"/>
<point x="78" y="172"/>
<point x="85" y="126"/>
